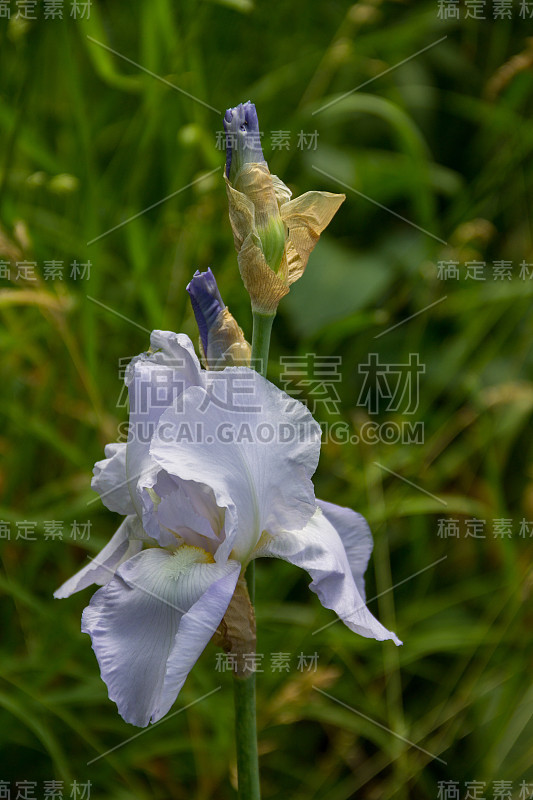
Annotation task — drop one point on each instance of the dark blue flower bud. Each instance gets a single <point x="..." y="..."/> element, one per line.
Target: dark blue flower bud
<point x="206" y="302"/>
<point x="222" y="341"/>
<point x="243" y="139"/>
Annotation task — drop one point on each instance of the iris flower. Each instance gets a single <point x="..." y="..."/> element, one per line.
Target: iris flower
<point x="216" y="472"/>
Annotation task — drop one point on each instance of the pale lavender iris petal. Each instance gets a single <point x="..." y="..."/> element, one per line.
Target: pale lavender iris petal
<point x="319" y="550"/>
<point x="110" y="480"/>
<point x="356" y="538"/>
<point x="172" y="506"/>
<point x="154" y="484"/>
<point x="203" y="501"/>
<point x="168" y="349"/>
<point x="151" y="622"/>
<point x="257" y="455"/>
<point x="194" y="632"/>
<point x="127" y="541"/>
<point x="155" y="380"/>
<point x="176" y="513"/>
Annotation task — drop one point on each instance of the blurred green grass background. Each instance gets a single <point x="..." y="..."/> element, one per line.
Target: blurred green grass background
<point x="89" y="140"/>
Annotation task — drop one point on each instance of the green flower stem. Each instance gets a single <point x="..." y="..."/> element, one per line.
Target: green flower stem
<point x="246" y="737"/>
<point x="259" y="361"/>
<point x="261" y="341"/>
<point x="244" y="688"/>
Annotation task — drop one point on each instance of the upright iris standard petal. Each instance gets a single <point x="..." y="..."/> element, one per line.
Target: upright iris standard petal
<point x="319" y="550"/>
<point x="110" y="480"/>
<point x="256" y="447"/>
<point x="243" y="138"/>
<point x="151" y="622"/>
<point x="176" y="513"/>
<point x="155" y="379"/>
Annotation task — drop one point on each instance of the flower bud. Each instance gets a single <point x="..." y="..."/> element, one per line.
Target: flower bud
<point x="222" y="342"/>
<point x="243" y="138"/>
<point x="273" y="234"/>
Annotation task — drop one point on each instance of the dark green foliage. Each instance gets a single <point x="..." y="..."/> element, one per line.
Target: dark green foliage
<point x="87" y="141"/>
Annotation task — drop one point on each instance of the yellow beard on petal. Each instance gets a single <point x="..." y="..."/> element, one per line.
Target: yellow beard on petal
<point x="184" y="557"/>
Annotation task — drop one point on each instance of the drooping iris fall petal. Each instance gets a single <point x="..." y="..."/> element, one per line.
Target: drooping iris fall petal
<point x="151" y="622"/>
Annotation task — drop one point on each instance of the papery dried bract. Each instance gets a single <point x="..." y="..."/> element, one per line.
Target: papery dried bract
<point x="236" y="633"/>
<point x="305" y="218"/>
<point x="227" y="346"/>
<point x="273" y="234"/>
